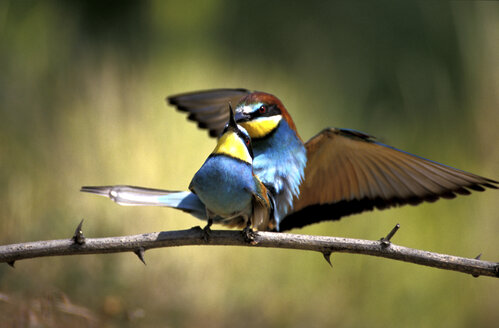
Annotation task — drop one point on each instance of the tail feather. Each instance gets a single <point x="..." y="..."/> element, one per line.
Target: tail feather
<point x="139" y="196"/>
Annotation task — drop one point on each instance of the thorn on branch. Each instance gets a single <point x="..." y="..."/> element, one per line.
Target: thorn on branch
<point x="140" y="254"/>
<point x="11" y="263"/>
<point x="477" y="258"/>
<point x="327" y="257"/>
<point x="78" y="237"/>
<point x="385" y="241"/>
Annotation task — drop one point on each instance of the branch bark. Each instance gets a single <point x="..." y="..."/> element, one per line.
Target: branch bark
<point x="195" y="236"/>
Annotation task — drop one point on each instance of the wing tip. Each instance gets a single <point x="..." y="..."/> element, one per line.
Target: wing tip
<point x="492" y="184"/>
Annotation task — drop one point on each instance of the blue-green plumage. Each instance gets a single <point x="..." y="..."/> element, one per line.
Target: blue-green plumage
<point x="279" y="162"/>
<point x="225" y="185"/>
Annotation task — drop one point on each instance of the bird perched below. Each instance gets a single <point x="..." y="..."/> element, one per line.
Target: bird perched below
<point x="336" y="173"/>
<point x="223" y="190"/>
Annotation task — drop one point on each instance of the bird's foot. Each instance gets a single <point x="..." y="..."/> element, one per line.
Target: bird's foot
<point x="249" y="235"/>
<point x="207" y="231"/>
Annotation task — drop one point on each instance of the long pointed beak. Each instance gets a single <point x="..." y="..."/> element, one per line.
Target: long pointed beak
<point x="241" y="117"/>
<point x="232" y="121"/>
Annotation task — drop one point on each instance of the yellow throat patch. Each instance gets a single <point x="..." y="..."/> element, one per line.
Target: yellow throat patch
<point x="260" y="127"/>
<point x="231" y="145"/>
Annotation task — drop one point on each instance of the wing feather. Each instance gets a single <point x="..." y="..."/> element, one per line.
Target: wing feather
<point x="262" y="218"/>
<point x="349" y="172"/>
<point x="208" y="107"/>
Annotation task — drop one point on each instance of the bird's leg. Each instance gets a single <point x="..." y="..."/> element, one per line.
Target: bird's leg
<point x="248" y="233"/>
<point x="207" y="228"/>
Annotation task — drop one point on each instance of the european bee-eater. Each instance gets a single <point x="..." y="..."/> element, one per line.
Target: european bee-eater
<point x="223" y="190"/>
<point x="337" y="173"/>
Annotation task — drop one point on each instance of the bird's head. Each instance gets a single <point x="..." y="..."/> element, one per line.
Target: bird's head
<point x="261" y="113"/>
<point x="235" y="141"/>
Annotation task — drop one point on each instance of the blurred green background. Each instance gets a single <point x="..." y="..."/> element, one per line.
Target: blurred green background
<point x="82" y="88"/>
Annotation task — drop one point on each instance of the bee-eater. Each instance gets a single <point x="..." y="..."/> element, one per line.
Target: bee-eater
<point x="223" y="190"/>
<point x="336" y="173"/>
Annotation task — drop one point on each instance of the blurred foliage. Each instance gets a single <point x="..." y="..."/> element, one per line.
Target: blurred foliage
<point x="82" y="90"/>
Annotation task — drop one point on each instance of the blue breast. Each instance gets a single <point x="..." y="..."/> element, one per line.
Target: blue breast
<point x="225" y="185"/>
<point x="279" y="162"/>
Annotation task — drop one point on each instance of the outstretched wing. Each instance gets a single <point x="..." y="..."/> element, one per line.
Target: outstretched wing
<point x="348" y="172"/>
<point x="208" y="107"/>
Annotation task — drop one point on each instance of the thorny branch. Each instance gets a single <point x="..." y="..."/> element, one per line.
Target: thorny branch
<point x="196" y="236"/>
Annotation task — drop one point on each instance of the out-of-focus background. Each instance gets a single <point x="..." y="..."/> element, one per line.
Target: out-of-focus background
<point x="82" y="88"/>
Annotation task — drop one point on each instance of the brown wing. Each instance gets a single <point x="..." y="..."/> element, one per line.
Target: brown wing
<point x="262" y="218"/>
<point x="209" y="108"/>
<point x="348" y="172"/>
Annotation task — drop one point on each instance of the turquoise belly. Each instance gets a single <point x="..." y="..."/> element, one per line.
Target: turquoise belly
<point x="225" y="186"/>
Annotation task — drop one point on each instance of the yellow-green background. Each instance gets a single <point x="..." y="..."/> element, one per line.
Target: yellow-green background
<point x="82" y="88"/>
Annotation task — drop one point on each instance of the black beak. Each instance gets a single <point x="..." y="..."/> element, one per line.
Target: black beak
<point x="232" y="120"/>
<point x="241" y="117"/>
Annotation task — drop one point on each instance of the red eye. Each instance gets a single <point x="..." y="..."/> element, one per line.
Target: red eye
<point x="247" y="142"/>
<point x="262" y="109"/>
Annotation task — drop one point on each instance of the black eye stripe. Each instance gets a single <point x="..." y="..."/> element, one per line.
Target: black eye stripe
<point x="271" y="110"/>
<point x="247" y="141"/>
<point x="241" y="135"/>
